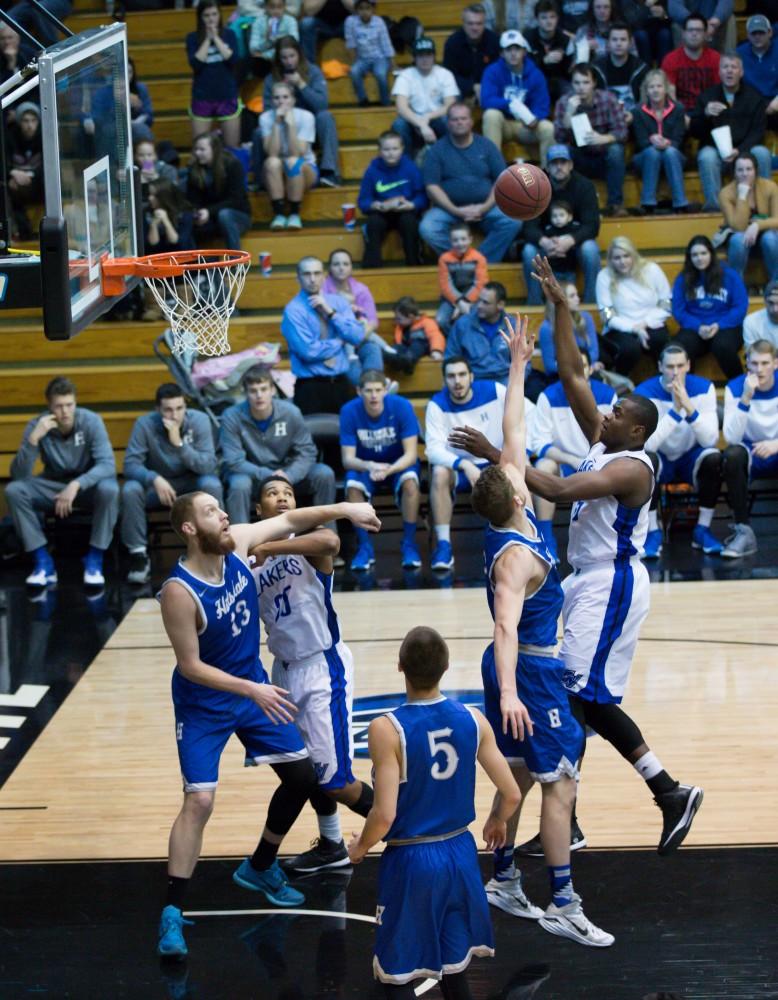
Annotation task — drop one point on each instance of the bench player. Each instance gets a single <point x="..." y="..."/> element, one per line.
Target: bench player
<point x="432" y="912"/>
<point x="293" y="578"/>
<point x="524" y="694"/>
<point x="211" y="615"/>
<point x="607" y="597"/>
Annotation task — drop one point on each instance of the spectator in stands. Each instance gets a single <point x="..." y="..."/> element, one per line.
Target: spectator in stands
<point x="751" y="432"/>
<point x="560" y="443"/>
<point x="603" y="154"/>
<point x="710" y="303"/>
<point x="391" y="196"/>
<point x="24" y="160"/>
<point x="460" y="171"/>
<point x="216" y="190"/>
<point x="170" y="452"/>
<point x="10" y="60"/>
<point x="368" y="37"/>
<point x="266" y="436"/>
<point x="574" y="14"/>
<point x="340" y="281"/>
<point x="579" y="192"/>
<point x="720" y="31"/>
<point x="742" y="108"/>
<point x="693" y="66"/>
<point x="322" y="19"/>
<point x="462" y="273"/>
<point x="470" y="49"/>
<point x="212" y="55"/>
<point x="310" y="94"/>
<point x="514" y="15"/>
<point x="379" y="442"/>
<point x="659" y="129"/>
<point x="318" y="329"/>
<point x="269" y="25"/>
<point x="650" y="28"/>
<point x="141" y="111"/>
<point x="415" y="335"/>
<point x="29" y="17"/>
<point x="289" y="167"/>
<point x="515" y="98"/>
<point x="763" y="324"/>
<point x="633" y="296"/>
<point x="591" y="38"/>
<point x="619" y="70"/>
<point x="551" y="49"/>
<point x="79" y="473"/>
<point x="583" y="328"/>
<point x="750" y="207"/>
<point x="476" y="336"/>
<point x="169" y="224"/>
<point x="684" y="445"/>
<point x="151" y="168"/>
<point x="562" y="223"/>
<point x="461" y="402"/>
<point x="423" y="94"/>
<point x="760" y="64"/>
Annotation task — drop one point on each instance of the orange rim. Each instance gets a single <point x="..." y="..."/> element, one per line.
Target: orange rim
<point x="166" y="265"/>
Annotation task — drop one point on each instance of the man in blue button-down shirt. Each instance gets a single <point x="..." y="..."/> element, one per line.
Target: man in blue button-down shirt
<point x="318" y="329"/>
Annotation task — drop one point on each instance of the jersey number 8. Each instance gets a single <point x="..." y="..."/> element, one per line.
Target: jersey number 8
<point x="439" y="745"/>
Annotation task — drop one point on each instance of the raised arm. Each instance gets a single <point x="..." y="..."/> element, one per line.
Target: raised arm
<point x="627" y="479"/>
<point x="294" y="522"/>
<point x="384" y="746"/>
<point x="568" y="356"/>
<point x="521" y="344"/>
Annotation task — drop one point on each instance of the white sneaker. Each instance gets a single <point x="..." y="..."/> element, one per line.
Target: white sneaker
<point x="279" y="222"/>
<point x="741" y="543"/>
<point x="571" y="922"/>
<point x="41" y="577"/>
<point x="294" y="221"/>
<point x="508" y="895"/>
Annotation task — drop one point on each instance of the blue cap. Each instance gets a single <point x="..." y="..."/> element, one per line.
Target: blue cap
<point x="558" y="152"/>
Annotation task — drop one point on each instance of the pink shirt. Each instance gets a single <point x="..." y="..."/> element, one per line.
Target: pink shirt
<point x="364" y="303"/>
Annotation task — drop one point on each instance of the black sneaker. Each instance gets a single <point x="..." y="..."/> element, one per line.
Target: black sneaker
<point x="678" y="810"/>
<point x="330" y="180"/>
<point x="323" y="854"/>
<point x="534" y="849"/>
<point x="140" y="568"/>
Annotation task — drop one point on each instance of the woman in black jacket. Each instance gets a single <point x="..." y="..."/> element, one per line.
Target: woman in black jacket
<point x="216" y="190"/>
<point x="659" y="129"/>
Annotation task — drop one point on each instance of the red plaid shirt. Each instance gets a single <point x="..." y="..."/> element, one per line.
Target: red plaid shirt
<point x="605" y="114"/>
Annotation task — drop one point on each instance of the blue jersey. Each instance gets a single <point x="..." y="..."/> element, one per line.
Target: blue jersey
<point x="228" y="634"/>
<point x="539" y="616"/>
<point x="439" y="741"/>
<point x="378" y="439"/>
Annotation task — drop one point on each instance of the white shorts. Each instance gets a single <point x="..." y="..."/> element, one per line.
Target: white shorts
<point x="322" y="687"/>
<point x="602" y="613"/>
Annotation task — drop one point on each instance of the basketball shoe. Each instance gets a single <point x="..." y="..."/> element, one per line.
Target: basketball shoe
<point x="171" y="933"/>
<point x="570" y="921"/>
<point x="678" y="810"/>
<point x="324" y="853"/>
<point x="534" y="849"/>
<point x="508" y="895"/>
<point x="272" y="882"/>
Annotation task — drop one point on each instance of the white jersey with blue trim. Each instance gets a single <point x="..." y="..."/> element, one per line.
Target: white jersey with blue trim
<point x="295" y="604"/>
<point x="604" y="530"/>
<point x="747" y="423"/>
<point x="555" y="423"/>
<point x="675" y="433"/>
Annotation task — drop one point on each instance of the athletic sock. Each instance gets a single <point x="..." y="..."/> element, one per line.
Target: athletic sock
<point x="96" y="554"/>
<point x="176" y="891"/>
<point x="443" y="532"/>
<point x="329" y="828"/>
<point x="504" y="869"/>
<point x="279" y="206"/>
<point x="264" y="856"/>
<point x="41" y="556"/>
<point x="561" y="884"/>
<point x="653" y="521"/>
<point x="294" y="207"/>
<point x="409" y="532"/>
<point x="705" y="517"/>
<point x="651" y="771"/>
<point x="363" y="537"/>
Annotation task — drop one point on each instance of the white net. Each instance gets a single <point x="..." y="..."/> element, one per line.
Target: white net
<point x="199" y="303"/>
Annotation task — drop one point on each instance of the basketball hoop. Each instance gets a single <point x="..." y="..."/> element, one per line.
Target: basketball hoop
<point x="196" y="290"/>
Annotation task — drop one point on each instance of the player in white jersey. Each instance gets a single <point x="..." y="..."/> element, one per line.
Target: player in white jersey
<point x="607" y="596"/>
<point x="294" y="577"/>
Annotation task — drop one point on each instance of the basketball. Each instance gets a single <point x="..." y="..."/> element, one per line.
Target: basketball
<point x="522" y="191"/>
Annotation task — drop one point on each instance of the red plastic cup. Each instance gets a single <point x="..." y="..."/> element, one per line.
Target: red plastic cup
<point x="349" y="215"/>
<point x="266" y="263"/>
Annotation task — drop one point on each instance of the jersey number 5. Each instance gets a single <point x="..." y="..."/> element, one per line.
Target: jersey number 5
<point x="240" y="617"/>
<point x="440" y="745"/>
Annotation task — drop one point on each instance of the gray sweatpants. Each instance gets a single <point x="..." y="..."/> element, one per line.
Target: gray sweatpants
<point x="319" y="484"/>
<point x="136" y="500"/>
<point x="28" y="497"/>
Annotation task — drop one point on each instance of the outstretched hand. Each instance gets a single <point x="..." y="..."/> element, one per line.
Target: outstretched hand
<point x="521" y="343"/>
<point x="543" y="273"/>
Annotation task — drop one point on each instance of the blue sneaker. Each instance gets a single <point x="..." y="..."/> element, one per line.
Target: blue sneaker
<point x="93" y="570"/>
<point x="273" y="883"/>
<point x="410" y="556"/>
<point x="442" y="556"/>
<point x="364" y="558"/>
<point x="44" y="572"/>
<point x="703" y="538"/>
<point x="171" y="933"/>
<point x="653" y="546"/>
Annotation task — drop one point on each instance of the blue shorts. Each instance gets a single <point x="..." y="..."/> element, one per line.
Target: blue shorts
<point x="684" y="468"/>
<point x="556" y="744"/>
<point x="201" y="735"/>
<point x="362" y="481"/>
<point x="432" y="911"/>
<point x="461" y="482"/>
<point x="760" y="468"/>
